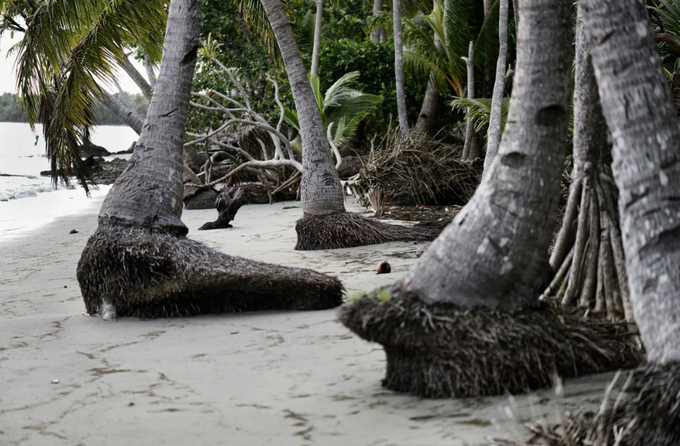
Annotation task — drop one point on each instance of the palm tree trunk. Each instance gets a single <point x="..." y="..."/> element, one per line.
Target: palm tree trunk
<point x="321" y="188"/>
<point x="469" y="125"/>
<point x="428" y="109"/>
<point x="126" y="114"/>
<point x="399" y="68"/>
<point x="317" y="37"/>
<point x="377" y="9"/>
<point x="148" y="66"/>
<point x="325" y="224"/>
<point x="494" y="133"/>
<point x="444" y="325"/>
<point x="498" y="231"/>
<point x="136" y="77"/>
<point x="139" y="262"/>
<point x="642" y="120"/>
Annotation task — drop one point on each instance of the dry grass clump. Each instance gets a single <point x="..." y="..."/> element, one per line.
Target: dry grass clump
<point x="416" y="170"/>
<point x="646" y="412"/>
<point x="441" y="350"/>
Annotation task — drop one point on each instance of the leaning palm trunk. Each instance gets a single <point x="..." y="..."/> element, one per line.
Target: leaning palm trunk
<point x="316" y="47"/>
<point x="376" y="33"/>
<point x="469" y="125"/>
<point x="637" y="105"/>
<point x="494" y="133"/>
<point x="428" y="109"/>
<point x="588" y="254"/>
<point x="399" y="68"/>
<point x="139" y="262"/>
<point x="466" y="320"/>
<point x="126" y="114"/>
<point x="325" y="224"/>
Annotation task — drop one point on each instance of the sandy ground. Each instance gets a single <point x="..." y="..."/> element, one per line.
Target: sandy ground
<point x="246" y="379"/>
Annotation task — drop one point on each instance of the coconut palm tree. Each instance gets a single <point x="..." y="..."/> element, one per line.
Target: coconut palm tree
<point x="139" y="261"/>
<point x="466" y="319"/>
<point x="325" y="223"/>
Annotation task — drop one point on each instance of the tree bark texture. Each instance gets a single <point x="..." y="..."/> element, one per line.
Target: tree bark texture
<point x="641" y="118"/>
<point x="126" y="114"/>
<point x="469" y="126"/>
<point x="399" y="69"/>
<point x="149" y="192"/>
<point x="428" y="109"/>
<point x="316" y="48"/>
<point x="136" y="77"/>
<point x="150" y="73"/>
<point x="377" y="9"/>
<point x="321" y="188"/>
<point x="494" y="252"/>
<point x="494" y="133"/>
<point x="587" y="255"/>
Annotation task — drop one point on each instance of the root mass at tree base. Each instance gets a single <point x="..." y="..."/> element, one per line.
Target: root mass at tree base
<point x="440" y="350"/>
<point x="346" y="230"/>
<point x="148" y="273"/>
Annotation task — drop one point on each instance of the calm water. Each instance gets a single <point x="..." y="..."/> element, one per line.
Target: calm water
<point x="28" y="200"/>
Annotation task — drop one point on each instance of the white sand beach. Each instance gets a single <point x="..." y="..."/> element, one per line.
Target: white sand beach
<point x="279" y="378"/>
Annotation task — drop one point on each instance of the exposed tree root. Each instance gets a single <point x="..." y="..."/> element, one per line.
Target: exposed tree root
<point x="645" y="413"/>
<point x="345" y="230"/>
<point x="146" y="273"/>
<point x="588" y="253"/>
<point x="438" y="351"/>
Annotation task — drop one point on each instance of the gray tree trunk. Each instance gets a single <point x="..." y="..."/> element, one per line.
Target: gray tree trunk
<point x="136" y="77"/>
<point x="126" y="114"/>
<point x="377" y="9"/>
<point x="149" y="192"/>
<point x="321" y="188"/>
<point x="150" y="73"/>
<point x="642" y="120"/>
<point x="317" y="37"/>
<point x="399" y="68"/>
<point x="494" y="253"/>
<point x="469" y="126"/>
<point x="494" y="133"/>
<point x="428" y="109"/>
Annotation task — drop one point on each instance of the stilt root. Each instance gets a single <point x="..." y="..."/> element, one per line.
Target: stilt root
<point x="646" y="413"/>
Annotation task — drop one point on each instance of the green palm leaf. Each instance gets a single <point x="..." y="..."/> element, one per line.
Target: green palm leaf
<point x="68" y="47"/>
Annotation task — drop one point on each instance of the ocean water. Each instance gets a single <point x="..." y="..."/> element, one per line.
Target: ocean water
<point x="28" y="200"/>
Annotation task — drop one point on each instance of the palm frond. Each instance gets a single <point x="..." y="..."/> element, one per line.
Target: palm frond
<point x="479" y="111"/>
<point x="67" y="46"/>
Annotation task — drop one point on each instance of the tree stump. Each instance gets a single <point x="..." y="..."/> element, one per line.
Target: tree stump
<point x="228" y="203"/>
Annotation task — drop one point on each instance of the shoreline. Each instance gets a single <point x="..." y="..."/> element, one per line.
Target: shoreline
<point x="284" y="378"/>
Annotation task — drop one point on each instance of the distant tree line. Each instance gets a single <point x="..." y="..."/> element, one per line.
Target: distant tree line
<point x="12" y="111"/>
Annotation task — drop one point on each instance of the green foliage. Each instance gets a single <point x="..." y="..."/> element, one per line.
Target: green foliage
<point x="342" y="106"/>
<point x="438" y="41"/>
<point x="376" y="66"/>
<point x="479" y="110"/>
